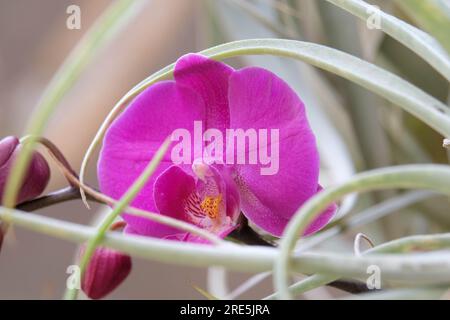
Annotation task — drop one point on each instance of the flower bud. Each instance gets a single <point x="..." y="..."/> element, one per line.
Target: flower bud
<point x="37" y="176"/>
<point x="107" y="269"/>
<point x="1" y="236"/>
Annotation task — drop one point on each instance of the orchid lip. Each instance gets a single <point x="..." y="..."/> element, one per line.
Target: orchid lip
<point x="204" y="211"/>
<point x="209" y="210"/>
<point x="210" y="206"/>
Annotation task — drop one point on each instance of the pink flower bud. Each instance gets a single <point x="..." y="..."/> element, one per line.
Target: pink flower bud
<point x="37" y="176"/>
<point x="1" y="237"/>
<point x="107" y="269"/>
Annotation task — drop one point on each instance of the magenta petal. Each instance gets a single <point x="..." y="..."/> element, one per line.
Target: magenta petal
<point x="7" y="146"/>
<point x="262" y="216"/>
<point x="275" y="224"/>
<point x="322" y="219"/>
<point x="258" y="99"/>
<point x="134" y="137"/>
<point x="209" y="79"/>
<point x="172" y="188"/>
<point x="218" y="179"/>
<point x="231" y="190"/>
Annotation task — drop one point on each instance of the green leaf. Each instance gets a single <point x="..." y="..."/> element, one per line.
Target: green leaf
<point x="432" y="15"/>
<point x="98" y="35"/>
<point x="415" y="39"/>
<point x="391" y="87"/>
<point x="373" y="78"/>
<point x="362" y="105"/>
<point x="431" y="177"/>
<point x="124" y="201"/>
<point x="307" y="82"/>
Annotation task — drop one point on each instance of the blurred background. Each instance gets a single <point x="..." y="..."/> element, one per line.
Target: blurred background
<point x="355" y="129"/>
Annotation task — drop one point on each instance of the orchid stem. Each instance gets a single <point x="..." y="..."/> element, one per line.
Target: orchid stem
<point x="246" y="234"/>
<point x="56" y="197"/>
<point x="417" y="268"/>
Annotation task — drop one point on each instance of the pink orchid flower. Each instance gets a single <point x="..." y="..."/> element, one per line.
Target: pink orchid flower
<point x="211" y="194"/>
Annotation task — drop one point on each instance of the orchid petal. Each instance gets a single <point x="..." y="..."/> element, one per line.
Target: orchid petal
<point x="209" y="79"/>
<point x="261" y="100"/>
<point x="172" y="189"/>
<point x="134" y="137"/>
<point x="322" y="220"/>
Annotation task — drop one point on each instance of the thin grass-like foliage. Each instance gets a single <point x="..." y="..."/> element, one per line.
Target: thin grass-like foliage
<point x="413" y="266"/>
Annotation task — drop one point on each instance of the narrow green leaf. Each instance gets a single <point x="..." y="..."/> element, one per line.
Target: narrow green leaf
<point x="103" y="30"/>
<point x="415" y="39"/>
<point x="305" y="80"/>
<point x="362" y="104"/>
<point x="123" y="203"/>
<point x="382" y="82"/>
<point x="393" y="88"/>
<point x="410" y="177"/>
<point x="432" y="15"/>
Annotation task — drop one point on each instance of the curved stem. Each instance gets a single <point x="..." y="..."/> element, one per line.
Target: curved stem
<point x="250" y="237"/>
<point x="61" y="82"/>
<point x="54" y="151"/>
<point x="434" y="177"/>
<point x="415" y="268"/>
<point x="380" y="81"/>
<point x="413" y="243"/>
<point x="364" y="217"/>
<point x="59" y="196"/>
<point x="118" y="209"/>
<point x="307" y="284"/>
<point x="70" y="193"/>
<point x="368" y="215"/>
<point x="175" y="223"/>
<point x="357" y="243"/>
<point x="245" y="234"/>
<point x="413" y="38"/>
